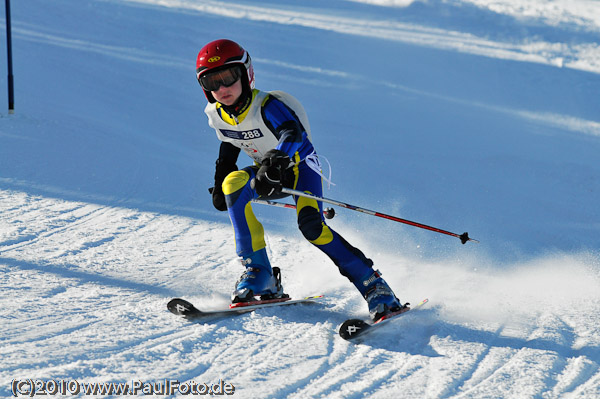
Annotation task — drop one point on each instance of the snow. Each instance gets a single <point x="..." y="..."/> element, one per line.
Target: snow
<point x="471" y="115"/>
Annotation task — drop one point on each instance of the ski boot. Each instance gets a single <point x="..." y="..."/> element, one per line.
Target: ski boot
<point x="259" y="279"/>
<point x="379" y="296"/>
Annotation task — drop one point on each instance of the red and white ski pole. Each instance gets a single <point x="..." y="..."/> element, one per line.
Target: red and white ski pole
<point x="329" y="213"/>
<point x="464" y="237"/>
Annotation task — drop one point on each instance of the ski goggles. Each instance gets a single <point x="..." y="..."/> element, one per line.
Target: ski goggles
<point x="224" y="77"/>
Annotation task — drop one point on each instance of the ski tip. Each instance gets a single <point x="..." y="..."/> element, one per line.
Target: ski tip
<point x="314" y="297"/>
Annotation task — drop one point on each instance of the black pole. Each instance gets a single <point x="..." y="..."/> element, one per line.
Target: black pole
<point x="11" y="87"/>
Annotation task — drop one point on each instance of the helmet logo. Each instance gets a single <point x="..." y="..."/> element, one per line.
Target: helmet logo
<point x="214" y="59"/>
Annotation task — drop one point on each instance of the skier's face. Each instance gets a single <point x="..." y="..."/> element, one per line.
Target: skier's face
<point x="228" y="95"/>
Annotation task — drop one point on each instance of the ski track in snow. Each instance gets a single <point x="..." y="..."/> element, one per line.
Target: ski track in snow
<point x="584" y="56"/>
<point x="86" y="274"/>
<point x="111" y="270"/>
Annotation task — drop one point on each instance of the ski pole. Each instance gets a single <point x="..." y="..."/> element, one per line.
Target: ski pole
<point x="464" y="237"/>
<point x="329" y="213"/>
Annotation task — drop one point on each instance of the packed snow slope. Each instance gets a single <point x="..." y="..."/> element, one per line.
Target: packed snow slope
<point x="470" y="115"/>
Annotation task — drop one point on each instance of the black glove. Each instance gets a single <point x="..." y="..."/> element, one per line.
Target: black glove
<point x="218" y="198"/>
<point x="222" y="169"/>
<point x="269" y="177"/>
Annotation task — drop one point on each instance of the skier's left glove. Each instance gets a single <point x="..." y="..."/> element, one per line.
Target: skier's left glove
<point x="268" y="180"/>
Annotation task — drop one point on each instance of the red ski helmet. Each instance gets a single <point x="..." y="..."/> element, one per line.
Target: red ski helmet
<point x="221" y="54"/>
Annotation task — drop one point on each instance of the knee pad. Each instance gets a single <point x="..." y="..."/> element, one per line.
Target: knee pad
<point x="310" y="223"/>
<point x="233" y="185"/>
<point x="235" y="181"/>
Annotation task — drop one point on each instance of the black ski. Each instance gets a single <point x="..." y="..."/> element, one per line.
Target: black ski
<point x="354" y="328"/>
<point x="181" y="307"/>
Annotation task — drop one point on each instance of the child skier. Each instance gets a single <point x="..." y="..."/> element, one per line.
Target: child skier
<point x="272" y="129"/>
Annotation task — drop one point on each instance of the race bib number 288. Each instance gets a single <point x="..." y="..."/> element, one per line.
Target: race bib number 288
<point x="243" y="135"/>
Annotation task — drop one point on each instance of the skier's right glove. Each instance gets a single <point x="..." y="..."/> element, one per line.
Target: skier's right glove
<point x="269" y="177"/>
<point x="222" y="169"/>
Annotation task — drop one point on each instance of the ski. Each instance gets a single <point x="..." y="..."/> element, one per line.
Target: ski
<point x="354" y="328"/>
<point x="181" y="307"/>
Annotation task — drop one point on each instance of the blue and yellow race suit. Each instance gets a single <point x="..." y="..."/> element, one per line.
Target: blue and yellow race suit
<point x="276" y="120"/>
